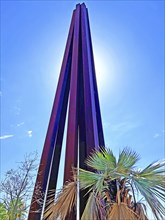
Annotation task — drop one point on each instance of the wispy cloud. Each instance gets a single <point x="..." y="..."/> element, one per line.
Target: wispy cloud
<point x="6" y="136"/>
<point x="125" y="127"/>
<point x="29" y="133"/>
<point x="159" y="134"/>
<point x="156" y="135"/>
<point x="20" y="124"/>
<point x="127" y="124"/>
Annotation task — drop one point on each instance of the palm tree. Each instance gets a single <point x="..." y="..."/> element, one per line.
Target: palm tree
<point x="113" y="186"/>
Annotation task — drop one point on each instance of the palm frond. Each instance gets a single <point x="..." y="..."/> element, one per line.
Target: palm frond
<point x="143" y="186"/>
<point x="127" y="160"/>
<point x="64" y="203"/>
<point x="92" y="209"/>
<point x="91" y="180"/>
<point x="103" y="160"/>
<point x="141" y="211"/>
<point x="121" y="212"/>
<point x="153" y="169"/>
<point x="150" y="182"/>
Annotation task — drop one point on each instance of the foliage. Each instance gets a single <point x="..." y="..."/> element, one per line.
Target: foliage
<point x="3" y="212"/>
<point x="65" y="202"/>
<point x="121" y="211"/>
<point x="16" y="188"/>
<point x="93" y="209"/>
<point x="112" y="186"/>
<point x="118" y="181"/>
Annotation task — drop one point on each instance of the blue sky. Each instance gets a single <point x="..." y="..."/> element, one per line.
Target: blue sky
<point x="128" y="42"/>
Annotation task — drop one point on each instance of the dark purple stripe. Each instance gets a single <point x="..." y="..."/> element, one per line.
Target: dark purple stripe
<point x="72" y="131"/>
<point x="90" y="111"/>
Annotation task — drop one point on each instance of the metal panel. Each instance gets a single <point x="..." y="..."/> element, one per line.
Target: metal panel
<point x="72" y="131"/>
<point x="77" y="77"/>
<point x="45" y="162"/>
<point x="98" y="112"/>
<point x="89" y="102"/>
<point x="54" y="168"/>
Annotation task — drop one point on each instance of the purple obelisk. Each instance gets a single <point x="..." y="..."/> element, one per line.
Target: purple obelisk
<point x="77" y="89"/>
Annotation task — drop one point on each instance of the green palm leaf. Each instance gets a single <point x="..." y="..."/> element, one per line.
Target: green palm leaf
<point x="149" y="195"/>
<point x="102" y="161"/>
<point x="127" y="160"/>
<point x="93" y="181"/>
<point x="150" y="183"/>
<point x="105" y="161"/>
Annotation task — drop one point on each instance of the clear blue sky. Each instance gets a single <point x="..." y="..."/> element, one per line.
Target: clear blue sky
<point x="128" y="41"/>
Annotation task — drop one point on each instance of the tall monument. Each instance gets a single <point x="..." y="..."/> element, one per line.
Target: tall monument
<point x="77" y="92"/>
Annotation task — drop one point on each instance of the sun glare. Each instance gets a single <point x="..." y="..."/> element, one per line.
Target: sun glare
<point x="105" y="69"/>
